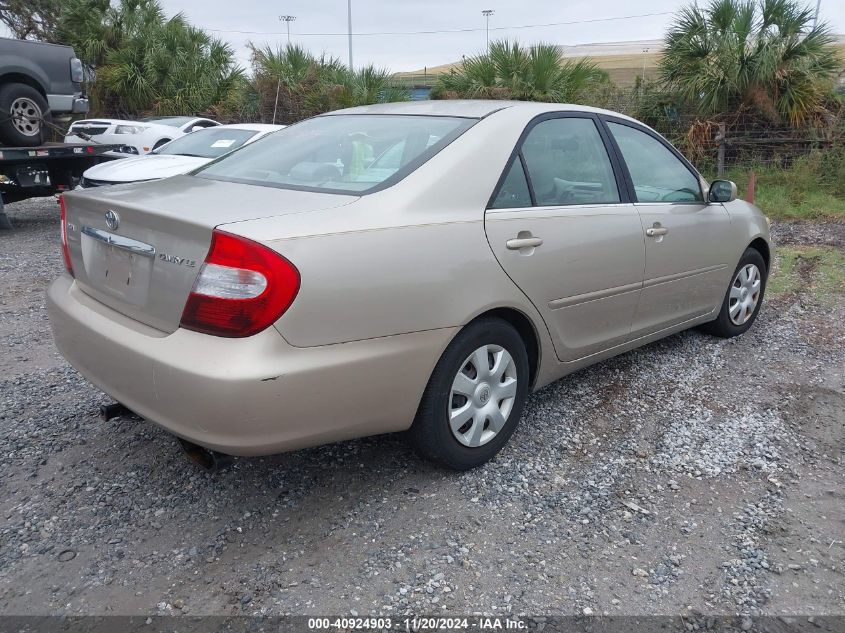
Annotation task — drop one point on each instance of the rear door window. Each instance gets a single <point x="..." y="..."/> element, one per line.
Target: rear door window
<point x="513" y="192"/>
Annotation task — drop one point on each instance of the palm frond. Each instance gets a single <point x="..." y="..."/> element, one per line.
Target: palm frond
<point x="764" y="54"/>
<point x="511" y="71"/>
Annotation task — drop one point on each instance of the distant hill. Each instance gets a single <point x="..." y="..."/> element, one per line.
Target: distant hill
<point x="623" y="61"/>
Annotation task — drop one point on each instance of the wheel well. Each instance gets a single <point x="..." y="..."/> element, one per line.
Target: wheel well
<point x="761" y="246"/>
<point x="523" y="325"/>
<point x="161" y="142"/>
<point x="18" y="78"/>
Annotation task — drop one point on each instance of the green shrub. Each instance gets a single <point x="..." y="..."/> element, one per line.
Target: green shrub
<point x="812" y="187"/>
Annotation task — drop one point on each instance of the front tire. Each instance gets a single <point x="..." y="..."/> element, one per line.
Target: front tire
<point x="23" y="112"/>
<point x="743" y="299"/>
<point x="475" y="396"/>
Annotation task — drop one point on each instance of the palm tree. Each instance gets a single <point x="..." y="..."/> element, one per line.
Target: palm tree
<point x="296" y="84"/>
<point x="342" y="88"/>
<point x="511" y="71"/>
<point x="762" y="55"/>
<point x="145" y="63"/>
<point x="284" y="78"/>
<point x="289" y="65"/>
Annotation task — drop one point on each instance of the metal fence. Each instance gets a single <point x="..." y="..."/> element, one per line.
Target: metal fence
<point x="718" y="144"/>
<point x="714" y="143"/>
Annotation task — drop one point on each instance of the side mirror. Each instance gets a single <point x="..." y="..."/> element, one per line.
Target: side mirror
<point x="722" y="191"/>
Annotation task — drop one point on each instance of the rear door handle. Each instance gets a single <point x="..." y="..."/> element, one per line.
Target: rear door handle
<point x="656" y="231"/>
<point x="523" y="242"/>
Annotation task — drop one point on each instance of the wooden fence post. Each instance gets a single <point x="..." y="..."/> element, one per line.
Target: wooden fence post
<point x="752" y="185"/>
<point x="720" y="157"/>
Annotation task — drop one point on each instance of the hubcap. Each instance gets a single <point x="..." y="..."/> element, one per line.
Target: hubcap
<point x="482" y="395"/>
<point x="745" y="293"/>
<point x="26" y="116"/>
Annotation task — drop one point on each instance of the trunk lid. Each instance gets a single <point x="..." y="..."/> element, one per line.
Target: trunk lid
<point x="138" y="248"/>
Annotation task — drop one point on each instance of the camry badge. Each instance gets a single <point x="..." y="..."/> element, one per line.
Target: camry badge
<point x="180" y="261"/>
<point x="112" y="220"/>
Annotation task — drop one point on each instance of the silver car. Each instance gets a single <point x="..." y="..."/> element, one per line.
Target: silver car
<point x="411" y="267"/>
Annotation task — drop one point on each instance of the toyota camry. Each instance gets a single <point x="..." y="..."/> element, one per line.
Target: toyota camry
<point x="416" y="267"/>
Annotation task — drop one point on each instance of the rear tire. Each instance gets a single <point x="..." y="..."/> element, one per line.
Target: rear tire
<point x="488" y="361"/>
<point x="743" y="298"/>
<point x="23" y="112"/>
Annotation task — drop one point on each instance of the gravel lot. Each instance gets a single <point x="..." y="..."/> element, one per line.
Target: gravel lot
<point x="692" y="476"/>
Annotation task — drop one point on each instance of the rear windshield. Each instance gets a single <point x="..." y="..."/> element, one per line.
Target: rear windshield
<point x="352" y="153"/>
<point x="209" y="143"/>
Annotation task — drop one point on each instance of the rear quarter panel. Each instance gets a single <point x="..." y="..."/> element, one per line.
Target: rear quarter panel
<point x="391" y="281"/>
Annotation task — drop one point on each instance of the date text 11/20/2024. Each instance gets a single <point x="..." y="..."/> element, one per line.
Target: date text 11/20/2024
<point x="416" y="625"/>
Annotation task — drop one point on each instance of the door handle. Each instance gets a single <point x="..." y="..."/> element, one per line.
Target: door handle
<point x="656" y="231"/>
<point x="523" y="242"/>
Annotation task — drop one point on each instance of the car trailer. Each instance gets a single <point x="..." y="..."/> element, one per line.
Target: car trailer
<point x="30" y="172"/>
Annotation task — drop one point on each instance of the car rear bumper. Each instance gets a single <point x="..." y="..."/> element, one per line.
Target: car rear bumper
<point x="80" y="105"/>
<point x="252" y="396"/>
<point x="130" y="145"/>
<point x="75" y="104"/>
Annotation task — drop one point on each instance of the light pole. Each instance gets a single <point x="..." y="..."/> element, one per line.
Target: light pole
<point x="487" y="13"/>
<point x="287" y="19"/>
<point x="349" y="30"/>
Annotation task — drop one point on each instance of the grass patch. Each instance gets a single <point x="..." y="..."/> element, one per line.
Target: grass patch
<point x="819" y="270"/>
<point x="812" y="188"/>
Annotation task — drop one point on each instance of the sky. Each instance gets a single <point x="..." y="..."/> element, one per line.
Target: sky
<point x="258" y="21"/>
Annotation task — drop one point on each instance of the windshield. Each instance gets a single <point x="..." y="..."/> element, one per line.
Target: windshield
<point x="174" y="121"/>
<point x="209" y="143"/>
<point x="353" y="153"/>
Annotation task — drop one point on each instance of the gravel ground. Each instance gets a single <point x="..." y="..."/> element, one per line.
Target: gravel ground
<point x="816" y="233"/>
<point x="693" y="476"/>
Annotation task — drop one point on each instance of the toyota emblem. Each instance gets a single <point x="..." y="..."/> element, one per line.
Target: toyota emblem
<point x="112" y="220"/>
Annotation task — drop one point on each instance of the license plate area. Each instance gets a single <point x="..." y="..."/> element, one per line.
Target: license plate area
<point x="117" y="265"/>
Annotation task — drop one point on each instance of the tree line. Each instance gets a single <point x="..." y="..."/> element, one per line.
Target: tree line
<point x="764" y="58"/>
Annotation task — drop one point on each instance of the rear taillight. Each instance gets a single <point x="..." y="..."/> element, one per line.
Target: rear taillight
<point x="65" y="249"/>
<point x="241" y="289"/>
<point x="76" y="72"/>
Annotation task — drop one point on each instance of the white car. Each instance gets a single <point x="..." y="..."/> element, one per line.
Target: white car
<point x="177" y="157"/>
<point x="136" y="137"/>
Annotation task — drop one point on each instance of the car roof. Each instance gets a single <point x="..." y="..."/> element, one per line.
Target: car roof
<point x="471" y="108"/>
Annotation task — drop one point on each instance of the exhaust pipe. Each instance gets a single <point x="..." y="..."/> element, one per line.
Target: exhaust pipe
<point x="211" y="461"/>
<point x="113" y="410"/>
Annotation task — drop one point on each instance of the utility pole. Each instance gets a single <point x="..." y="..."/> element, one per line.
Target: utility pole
<point x="816" y="16"/>
<point x="349" y="23"/>
<point x="287" y="19"/>
<point x="487" y="13"/>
